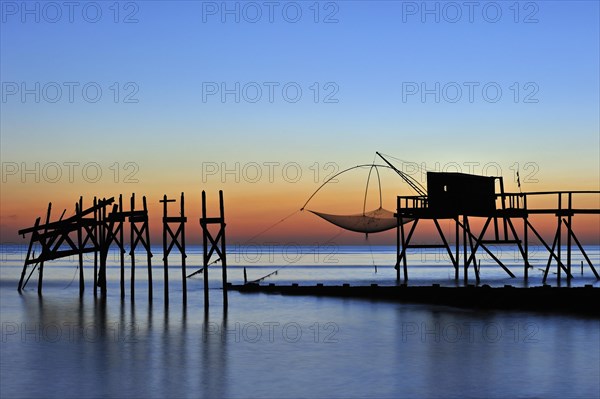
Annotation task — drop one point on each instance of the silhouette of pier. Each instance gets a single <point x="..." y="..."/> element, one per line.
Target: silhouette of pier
<point x="100" y="226"/>
<point x="454" y="197"/>
<point x="462" y="197"/>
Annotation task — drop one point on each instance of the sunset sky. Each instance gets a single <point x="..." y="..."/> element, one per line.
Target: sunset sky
<point x="266" y="100"/>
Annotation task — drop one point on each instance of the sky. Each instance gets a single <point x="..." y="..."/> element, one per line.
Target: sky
<point x="266" y="100"/>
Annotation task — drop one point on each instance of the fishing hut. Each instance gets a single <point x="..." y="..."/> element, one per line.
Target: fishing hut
<point x="461" y="197"/>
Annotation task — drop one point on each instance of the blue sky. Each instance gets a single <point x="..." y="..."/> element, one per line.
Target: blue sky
<point x="366" y="61"/>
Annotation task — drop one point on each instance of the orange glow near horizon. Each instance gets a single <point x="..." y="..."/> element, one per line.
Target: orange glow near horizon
<point x="252" y="208"/>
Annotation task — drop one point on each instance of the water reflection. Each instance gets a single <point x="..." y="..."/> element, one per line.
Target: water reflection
<point x="113" y="348"/>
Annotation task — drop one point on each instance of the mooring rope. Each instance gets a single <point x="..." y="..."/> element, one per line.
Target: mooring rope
<point x="73" y="279"/>
<point x="272" y="226"/>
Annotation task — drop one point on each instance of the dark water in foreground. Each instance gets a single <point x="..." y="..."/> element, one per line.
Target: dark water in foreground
<point x="278" y="346"/>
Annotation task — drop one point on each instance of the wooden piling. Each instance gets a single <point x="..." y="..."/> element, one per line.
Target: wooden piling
<point x="205" y="252"/>
<point x="183" y="253"/>
<point x="132" y="243"/>
<point x="457" y="249"/>
<point x="78" y="210"/>
<point x="147" y="247"/>
<point x="525" y="241"/>
<point x="465" y="261"/>
<point x="104" y="243"/>
<point x="569" y="226"/>
<point x="398" y="223"/>
<point x="558" y="238"/>
<point x="223" y="250"/>
<point x="43" y="241"/>
<point x="165" y="252"/>
<point x="121" y="247"/>
<point x="96" y="236"/>
<point x="28" y="256"/>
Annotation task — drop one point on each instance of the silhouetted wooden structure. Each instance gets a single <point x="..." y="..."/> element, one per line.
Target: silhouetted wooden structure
<point x="52" y="237"/>
<point x="115" y="233"/>
<point x="174" y="238"/>
<point x="140" y="234"/>
<point x="217" y="245"/>
<point x="95" y="229"/>
<point x="91" y="230"/>
<point x="459" y="196"/>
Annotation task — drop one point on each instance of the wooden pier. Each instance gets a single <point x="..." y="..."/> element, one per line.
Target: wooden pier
<point x="576" y="300"/>
<point x="455" y="197"/>
<point x="461" y="198"/>
<point x="95" y="229"/>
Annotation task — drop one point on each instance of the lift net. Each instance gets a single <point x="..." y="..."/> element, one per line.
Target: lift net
<point x="368" y="222"/>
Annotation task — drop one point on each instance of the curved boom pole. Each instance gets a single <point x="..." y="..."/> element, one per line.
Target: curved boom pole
<point x="339" y="173"/>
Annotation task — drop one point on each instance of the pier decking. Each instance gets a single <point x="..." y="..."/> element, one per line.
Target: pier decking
<point x="577" y="300"/>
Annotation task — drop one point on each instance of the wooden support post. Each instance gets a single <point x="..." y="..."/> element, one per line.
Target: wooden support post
<point x="503" y="208"/>
<point x="465" y="260"/>
<point x="525" y="240"/>
<point x="403" y="253"/>
<point x="205" y="251"/>
<point x="457" y="249"/>
<point x="405" y="244"/>
<point x="104" y="244"/>
<point x="223" y="250"/>
<point x="398" y="223"/>
<point x="108" y="237"/>
<point x="475" y="268"/>
<point x="31" y="241"/>
<point x="43" y="242"/>
<point x="496" y="234"/>
<point x="587" y="258"/>
<point x="147" y="247"/>
<point x="132" y="244"/>
<point x="441" y="233"/>
<point x="183" y="254"/>
<point x="569" y="231"/>
<point x="551" y="255"/>
<point x="96" y="236"/>
<point x="165" y="252"/>
<point x="79" y="209"/>
<point x="558" y="236"/>
<point x="121" y="248"/>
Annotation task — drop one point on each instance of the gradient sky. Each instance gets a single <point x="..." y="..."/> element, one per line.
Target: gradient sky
<point x="363" y="58"/>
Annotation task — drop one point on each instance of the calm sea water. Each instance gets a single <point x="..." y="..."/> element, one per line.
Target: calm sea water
<point x="272" y="346"/>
